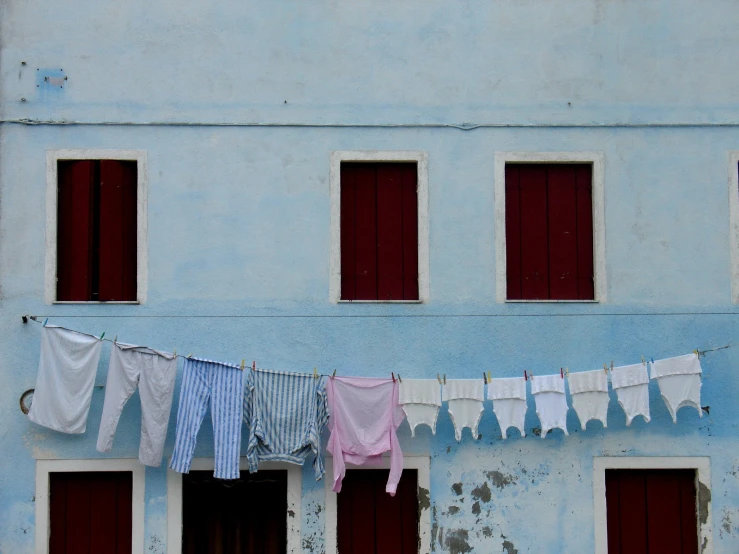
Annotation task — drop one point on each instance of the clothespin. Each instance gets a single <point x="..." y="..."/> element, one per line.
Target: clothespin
<point x="46" y="321"/>
<point x="445" y="378"/>
<point x="611" y="365"/>
<point x="315" y="373"/>
<point x="101" y="336"/>
<point x="489" y="379"/>
<point x="334" y="374"/>
<point x="393" y="376"/>
<point x="174" y="353"/>
<point x="525" y="377"/>
<point x="642" y="361"/>
<point x="243" y="363"/>
<point x="484" y="378"/>
<point x="652" y="359"/>
<point x="531" y="375"/>
<point x="399" y="379"/>
<point x="561" y="373"/>
<point x="697" y="353"/>
<point x="438" y="378"/>
<point x="254" y="366"/>
<point x="115" y="339"/>
<point x="567" y="371"/>
<point x="189" y="355"/>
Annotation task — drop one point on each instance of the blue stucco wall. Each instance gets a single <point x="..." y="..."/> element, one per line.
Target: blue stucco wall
<point x="238" y="225"/>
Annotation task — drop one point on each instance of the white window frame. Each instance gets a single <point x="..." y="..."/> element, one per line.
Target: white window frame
<point x="45" y="467"/>
<point x="294" y="492"/>
<point x="734" y="222"/>
<point x="421" y="160"/>
<point x="420" y="463"/>
<point x="52" y="190"/>
<point x="701" y="465"/>
<point x="597" y="160"/>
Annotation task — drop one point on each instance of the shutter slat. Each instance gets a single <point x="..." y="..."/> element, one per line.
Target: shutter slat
<point x="613" y="513"/>
<point x="389" y="232"/>
<point x="117" y="230"/>
<point x="688" y="515"/>
<point x="363" y="508"/>
<point x="104" y="516"/>
<point x="409" y="187"/>
<point x="57" y="515"/>
<point x="534" y="240"/>
<point x="585" y="262"/>
<point x="513" y="233"/>
<point x="124" y="514"/>
<point x="408" y="494"/>
<point x="562" y="216"/>
<point x="348" y="232"/>
<point x="74" y="230"/>
<point x="388" y="517"/>
<point x="633" y="512"/>
<point x="366" y="233"/>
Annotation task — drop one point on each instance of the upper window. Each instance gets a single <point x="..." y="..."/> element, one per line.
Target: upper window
<point x="549" y="227"/>
<point x="379" y="227"/>
<point x="549" y="232"/>
<point x="96" y="230"/>
<point x="379" y="231"/>
<point x="96" y="222"/>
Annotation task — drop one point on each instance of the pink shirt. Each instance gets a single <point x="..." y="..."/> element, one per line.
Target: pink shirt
<point x="364" y="415"/>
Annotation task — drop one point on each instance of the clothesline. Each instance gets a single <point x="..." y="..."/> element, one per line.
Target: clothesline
<point x="441" y="377"/>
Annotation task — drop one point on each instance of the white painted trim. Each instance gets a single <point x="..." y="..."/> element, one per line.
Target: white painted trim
<point x="734" y="222"/>
<point x="140" y="157"/>
<point x="421" y="159"/>
<point x="597" y="159"/>
<point x="421" y="463"/>
<point x="44" y="467"/>
<point x="294" y="494"/>
<point x="701" y="464"/>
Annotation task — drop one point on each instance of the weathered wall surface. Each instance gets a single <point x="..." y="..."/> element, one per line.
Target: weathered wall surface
<point x="239" y="223"/>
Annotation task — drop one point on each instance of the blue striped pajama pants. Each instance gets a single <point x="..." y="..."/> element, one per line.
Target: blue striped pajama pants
<point x="222" y="386"/>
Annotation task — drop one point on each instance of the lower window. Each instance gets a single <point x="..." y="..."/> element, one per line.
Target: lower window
<point x="246" y="516"/>
<point x="370" y="521"/>
<point x="651" y="511"/>
<point x="90" y="512"/>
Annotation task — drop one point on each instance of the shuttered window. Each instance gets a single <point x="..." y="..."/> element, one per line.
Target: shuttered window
<point x="370" y="521"/>
<point x="379" y="231"/>
<point x="90" y="513"/>
<point x="549" y="232"/>
<point x="96" y="230"/>
<point x="245" y="516"/>
<point x="651" y="511"/>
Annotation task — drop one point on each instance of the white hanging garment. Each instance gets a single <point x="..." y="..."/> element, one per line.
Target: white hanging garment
<point x="679" y="381"/>
<point x="464" y="398"/>
<point x="631" y="385"/>
<point x="421" y="399"/>
<point x="509" y="403"/>
<point x="66" y="377"/>
<point x="589" y="392"/>
<point x="551" y="402"/>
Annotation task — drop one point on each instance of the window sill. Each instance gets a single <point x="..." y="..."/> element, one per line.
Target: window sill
<point x="509" y="301"/>
<point x="380" y="302"/>
<point x="83" y="302"/>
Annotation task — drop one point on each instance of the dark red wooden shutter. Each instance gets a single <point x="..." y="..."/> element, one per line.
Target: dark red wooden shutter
<point x="549" y="232"/>
<point x="370" y="521"/>
<point x="247" y="516"/>
<point x="379" y="231"/>
<point x="651" y="512"/>
<point x="117" y="254"/>
<point x="74" y="230"/>
<point x="90" y="513"/>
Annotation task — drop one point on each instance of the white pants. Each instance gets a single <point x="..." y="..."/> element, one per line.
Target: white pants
<point x="154" y="373"/>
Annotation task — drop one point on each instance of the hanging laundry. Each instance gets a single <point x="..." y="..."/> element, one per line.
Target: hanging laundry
<point x="154" y="374"/>
<point x="421" y="400"/>
<point x="551" y="402"/>
<point x="66" y="377"/>
<point x="631" y="385"/>
<point x="222" y="386"/>
<point x="679" y="381"/>
<point x="509" y="403"/>
<point x="464" y="398"/>
<point x="364" y="417"/>
<point x="589" y="392"/>
<point x="286" y="413"/>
